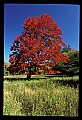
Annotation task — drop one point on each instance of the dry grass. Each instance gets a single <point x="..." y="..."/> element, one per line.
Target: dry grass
<point x="40" y="98"/>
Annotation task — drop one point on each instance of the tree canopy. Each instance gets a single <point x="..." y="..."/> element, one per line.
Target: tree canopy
<point x="38" y="45"/>
<point x="66" y="49"/>
<point x="72" y="66"/>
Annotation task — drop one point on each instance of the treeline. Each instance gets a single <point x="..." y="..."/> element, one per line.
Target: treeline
<point x="71" y="67"/>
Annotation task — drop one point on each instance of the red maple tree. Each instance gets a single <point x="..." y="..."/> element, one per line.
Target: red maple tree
<point x="38" y="46"/>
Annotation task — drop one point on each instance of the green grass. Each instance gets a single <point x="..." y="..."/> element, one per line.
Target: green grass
<point x="43" y="97"/>
<point x="15" y="76"/>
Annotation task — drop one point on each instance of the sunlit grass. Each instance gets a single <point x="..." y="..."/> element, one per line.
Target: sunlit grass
<point x="40" y="98"/>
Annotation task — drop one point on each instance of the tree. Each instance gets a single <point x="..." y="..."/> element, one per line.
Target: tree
<point x="66" y="49"/>
<point x="72" y="66"/>
<point x="6" y="65"/>
<point x="38" y="46"/>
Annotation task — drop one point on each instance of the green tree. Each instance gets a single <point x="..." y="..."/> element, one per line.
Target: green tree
<point x="72" y="66"/>
<point x="66" y="49"/>
<point x="6" y="65"/>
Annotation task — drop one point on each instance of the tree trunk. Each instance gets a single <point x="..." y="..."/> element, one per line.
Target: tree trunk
<point x="29" y="73"/>
<point x="29" y="76"/>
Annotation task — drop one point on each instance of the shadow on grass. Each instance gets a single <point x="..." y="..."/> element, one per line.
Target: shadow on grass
<point x="58" y="75"/>
<point x="14" y="79"/>
<point x="71" y="83"/>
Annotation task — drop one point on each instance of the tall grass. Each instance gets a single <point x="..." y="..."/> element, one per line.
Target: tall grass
<point x="40" y="98"/>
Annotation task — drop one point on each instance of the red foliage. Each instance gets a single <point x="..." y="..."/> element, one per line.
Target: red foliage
<point x="53" y="72"/>
<point x="39" y="44"/>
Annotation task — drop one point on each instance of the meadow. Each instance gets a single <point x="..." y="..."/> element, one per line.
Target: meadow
<point x="42" y="96"/>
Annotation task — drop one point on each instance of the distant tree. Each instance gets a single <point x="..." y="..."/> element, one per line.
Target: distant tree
<point x="72" y="66"/>
<point x="38" y="46"/>
<point x="6" y="65"/>
<point x="66" y="49"/>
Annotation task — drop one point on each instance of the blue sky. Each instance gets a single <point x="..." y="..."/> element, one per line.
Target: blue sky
<point x="67" y="16"/>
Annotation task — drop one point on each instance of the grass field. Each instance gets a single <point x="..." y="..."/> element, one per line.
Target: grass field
<point x="43" y="97"/>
